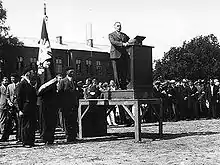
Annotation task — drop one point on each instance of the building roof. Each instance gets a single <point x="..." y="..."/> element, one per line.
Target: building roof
<point x="33" y="42"/>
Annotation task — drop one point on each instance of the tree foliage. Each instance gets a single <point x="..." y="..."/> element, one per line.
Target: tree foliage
<point x="5" y="38"/>
<point x="197" y="59"/>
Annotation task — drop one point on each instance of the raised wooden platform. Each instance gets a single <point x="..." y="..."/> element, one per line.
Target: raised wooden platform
<point x="126" y="94"/>
<point x="105" y="103"/>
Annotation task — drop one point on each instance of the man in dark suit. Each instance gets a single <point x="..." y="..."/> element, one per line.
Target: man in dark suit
<point x="211" y="97"/>
<point x="192" y="104"/>
<point x="49" y="109"/>
<point x="67" y="89"/>
<point x="119" y="56"/>
<point x="27" y="104"/>
<point x="183" y="99"/>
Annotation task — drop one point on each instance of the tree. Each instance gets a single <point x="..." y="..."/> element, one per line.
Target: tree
<point x="5" y="38"/>
<point x="196" y="59"/>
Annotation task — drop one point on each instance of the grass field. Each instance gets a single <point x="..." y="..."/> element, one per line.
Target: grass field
<point x="184" y="143"/>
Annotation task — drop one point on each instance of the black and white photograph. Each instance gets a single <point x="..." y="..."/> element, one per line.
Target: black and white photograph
<point x="109" y="82"/>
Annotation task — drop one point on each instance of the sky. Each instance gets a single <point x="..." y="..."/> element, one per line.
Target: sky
<point x="165" y="23"/>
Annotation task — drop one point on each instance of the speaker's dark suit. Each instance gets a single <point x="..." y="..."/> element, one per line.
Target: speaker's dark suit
<point x="120" y="58"/>
<point x="27" y="103"/>
<point x="68" y="93"/>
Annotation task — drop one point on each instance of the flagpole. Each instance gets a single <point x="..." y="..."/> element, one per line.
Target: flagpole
<point x="45" y="12"/>
<point x="45" y="9"/>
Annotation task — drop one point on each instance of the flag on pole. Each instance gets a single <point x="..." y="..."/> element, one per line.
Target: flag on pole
<point x="46" y="70"/>
<point x="45" y="52"/>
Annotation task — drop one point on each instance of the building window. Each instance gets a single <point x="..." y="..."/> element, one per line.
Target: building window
<point x="89" y="67"/>
<point x="98" y="68"/>
<point x="1" y="65"/>
<point x="33" y="63"/>
<point x="19" y="64"/>
<point x="78" y="66"/>
<point x="108" y="69"/>
<point x="32" y="59"/>
<point x="59" y="65"/>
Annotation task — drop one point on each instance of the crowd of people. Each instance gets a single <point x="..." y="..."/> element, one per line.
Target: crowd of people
<point x="116" y="114"/>
<point x="27" y="107"/>
<point x="187" y="100"/>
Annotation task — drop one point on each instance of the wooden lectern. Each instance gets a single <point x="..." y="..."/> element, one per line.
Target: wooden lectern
<point x="140" y="67"/>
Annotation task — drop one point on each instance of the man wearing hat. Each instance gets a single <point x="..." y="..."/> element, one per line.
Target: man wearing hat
<point x="27" y="105"/>
<point x="183" y="99"/>
<point x="201" y="100"/>
<point x="171" y="94"/>
<point x="68" y="92"/>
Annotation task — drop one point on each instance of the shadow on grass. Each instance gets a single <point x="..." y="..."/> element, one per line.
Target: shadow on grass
<point x="166" y="136"/>
<point x="60" y="138"/>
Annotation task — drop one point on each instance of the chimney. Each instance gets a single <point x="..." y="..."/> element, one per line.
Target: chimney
<point x="89" y="40"/>
<point x="59" y="40"/>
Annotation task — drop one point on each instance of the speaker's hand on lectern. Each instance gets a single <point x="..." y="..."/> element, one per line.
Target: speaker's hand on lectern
<point x="132" y="41"/>
<point x="125" y="44"/>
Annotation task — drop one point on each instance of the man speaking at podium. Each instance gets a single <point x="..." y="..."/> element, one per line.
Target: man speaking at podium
<point x="119" y="56"/>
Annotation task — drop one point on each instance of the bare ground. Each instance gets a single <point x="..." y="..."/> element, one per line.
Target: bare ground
<point x="184" y="143"/>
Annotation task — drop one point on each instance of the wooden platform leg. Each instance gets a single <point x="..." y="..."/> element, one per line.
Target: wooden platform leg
<point x="161" y="120"/>
<point x="80" y="120"/>
<point x="136" y="110"/>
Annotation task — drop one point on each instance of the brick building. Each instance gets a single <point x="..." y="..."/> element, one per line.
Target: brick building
<point x="88" y="60"/>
